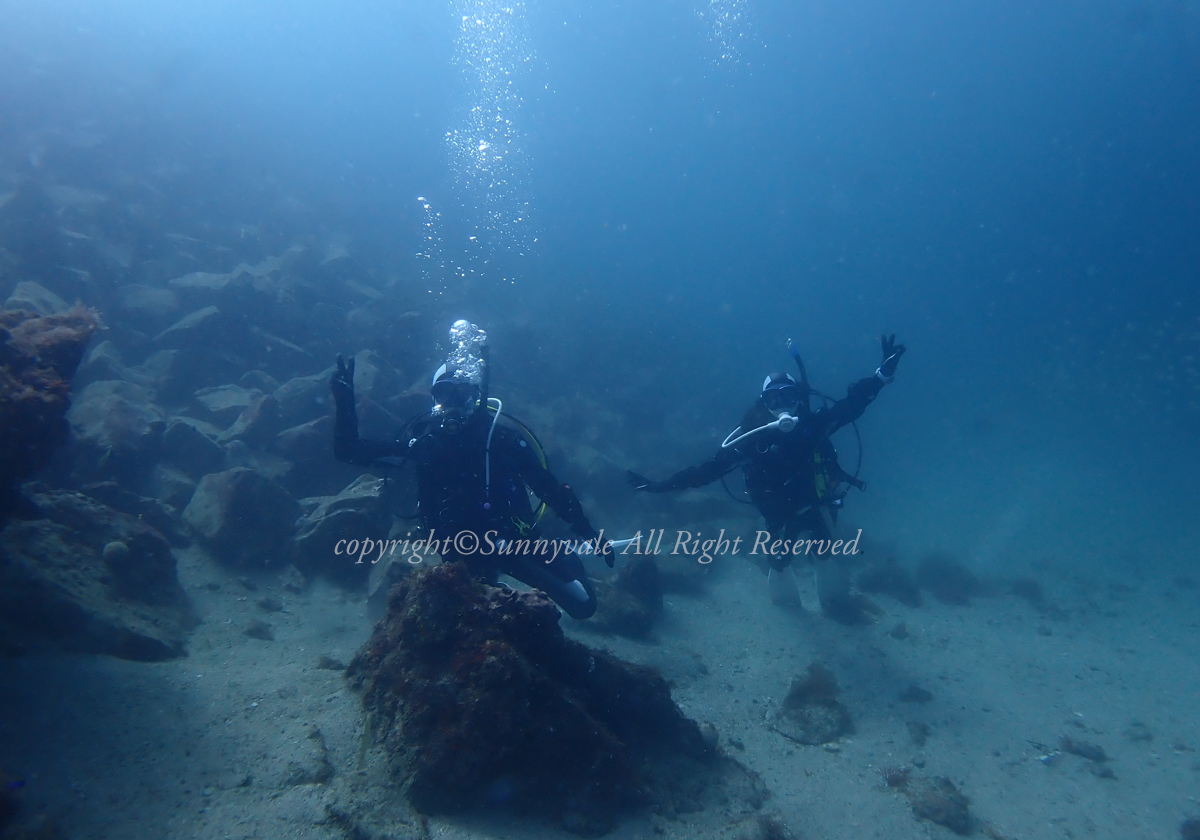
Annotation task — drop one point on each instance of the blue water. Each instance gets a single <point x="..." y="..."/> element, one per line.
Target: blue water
<point x="642" y="201"/>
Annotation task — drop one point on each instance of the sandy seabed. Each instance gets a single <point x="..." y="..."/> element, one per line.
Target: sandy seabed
<point x="234" y="740"/>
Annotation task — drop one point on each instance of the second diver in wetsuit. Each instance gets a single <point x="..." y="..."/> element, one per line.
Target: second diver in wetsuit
<point x="472" y="475"/>
<point x="791" y="471"/>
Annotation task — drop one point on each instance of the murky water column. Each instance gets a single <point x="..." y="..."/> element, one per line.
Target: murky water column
<point x="728" y="28"/>
<point x="486" y="149"/>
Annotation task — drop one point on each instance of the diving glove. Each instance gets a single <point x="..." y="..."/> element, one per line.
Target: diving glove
<point x="342" y="383"/>
<point x="891" y="357"/>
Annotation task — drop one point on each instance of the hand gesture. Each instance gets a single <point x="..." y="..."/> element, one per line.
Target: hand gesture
<point x="891" y="355"/>
<point x="342" y="382"/>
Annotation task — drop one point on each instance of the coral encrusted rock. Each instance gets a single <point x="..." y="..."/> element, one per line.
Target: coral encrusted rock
<point x="38" y="357"/>
<point x="480" y="701"/>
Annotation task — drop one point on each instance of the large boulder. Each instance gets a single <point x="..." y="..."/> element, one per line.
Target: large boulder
<point x="258" y="423"/>
<point x="309" y="447"/>
<point x="305" y="398"/>
<point x="88" y="578"/>
<point x="195" y="331"/>
<point x="38" y="356"/>
<point x="35" y="298"/>
<point x="359" y="512"/>
<point x="481" y="702"/>
<point x="190" y="445"/>
<point x="147" y="307"/>
<point x="224" y="403"/>
<point x="118" y="430"/>
<point x="104" y="362"/>
<point x="244" y="517"/>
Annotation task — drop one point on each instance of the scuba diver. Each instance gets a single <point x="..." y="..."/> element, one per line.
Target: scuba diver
<point x="472" y="475"/>
<point x="792" y="473"/>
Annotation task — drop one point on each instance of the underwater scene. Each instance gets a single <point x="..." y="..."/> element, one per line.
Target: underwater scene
<point x="534" y="419"/>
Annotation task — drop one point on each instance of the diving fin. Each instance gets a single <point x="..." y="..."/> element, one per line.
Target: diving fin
<point x="783" y="588"/>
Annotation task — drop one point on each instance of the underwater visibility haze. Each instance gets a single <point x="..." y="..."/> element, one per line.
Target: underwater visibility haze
<point x="210" y="211"/>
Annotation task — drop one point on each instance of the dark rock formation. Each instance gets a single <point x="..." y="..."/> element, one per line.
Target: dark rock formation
<point x="159" y="515"/>
<point x="117" y="429"/>
<point x="359" y="512"/>
<point x="189" y="445"/>
<point x="481" y="701"/>
<point x="89" y="578"/>
<point x="811" y="713"/>
<point x="38" y="356"/>
<point x="259" y="422"/>
<point x="244" y="517"/>
<point x="35" y="298"/>
<point x="939" y="801"/>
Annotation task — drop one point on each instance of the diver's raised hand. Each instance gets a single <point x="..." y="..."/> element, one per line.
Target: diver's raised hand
<point x="342" y="383"/>
<point x="891" y="355"/>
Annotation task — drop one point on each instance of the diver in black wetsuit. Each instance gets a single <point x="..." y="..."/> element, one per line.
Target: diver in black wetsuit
<point x="792" y="473"/>
<point x="472" y="475"/>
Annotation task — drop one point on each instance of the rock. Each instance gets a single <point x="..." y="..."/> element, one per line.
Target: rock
<point x="160" y="371"/>
<point x="1083" y="749"/>
<point x="939" y="801"/>
<point x="632" y="602"/>
<point x="118" y="430"/>
<point x="102" y="363"/>
<point x="238" y="454"/>
<point x="147" y="307"/>
<point x="480" y="701"/>
<point x="171" y="486"/>
<point x="309" y="447"/>
<point x="89" y="578"/>
<point x="811" y="713"/>
<point x="36" y="299"/>
<point x="374" y="378"/>
<point x="1190" y="829"/>
<point x="38" y="356"/>
<point x="199" y="285"/>
<point x="160" y="516"/>
<point x="311" y="766"/>
<point x="225" y="403"/>
<point x="360" y="513"/>
<point x="244" y="517"/>
<point x="259" y="422"/>
<point x="305" y="398"/>
<point x="193" y="331"/>
<point x="186" y="445"/>
<point x="260" y="630"/>
<point x="264" y="382"/>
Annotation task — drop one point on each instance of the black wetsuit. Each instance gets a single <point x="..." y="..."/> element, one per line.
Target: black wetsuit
<point x="453" y="500"/>
<point x="790" y="476"/>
